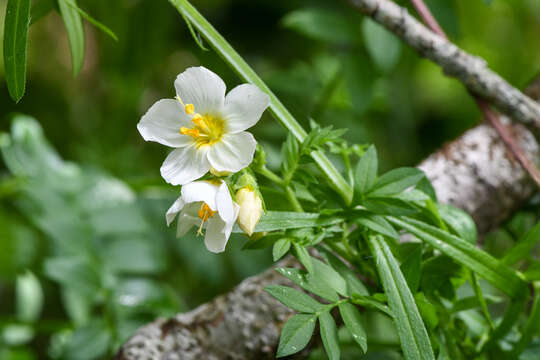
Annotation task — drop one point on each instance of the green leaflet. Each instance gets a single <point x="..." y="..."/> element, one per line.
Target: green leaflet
<point x="75" y="31"/>
<point x="296" y="334"/>
<point x="351" y="318"/>
<point x="329" y="335"/>
<point x="410" y="327"/>
<point x="15" y="43"/>
<point x="282" y="220"/>
<point x="366" y="171"/>
<point x="466" y="254"/>
<point x="294" y="299"/>
<point x="225" y="50"/>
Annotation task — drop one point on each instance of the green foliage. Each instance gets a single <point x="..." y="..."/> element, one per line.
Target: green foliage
<point x="75" y="31"/>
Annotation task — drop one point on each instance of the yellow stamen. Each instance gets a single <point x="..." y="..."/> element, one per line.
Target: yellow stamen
<point x="190" y="109"/>
<point x="194" y="133"/>
<point x="205" y="212"/>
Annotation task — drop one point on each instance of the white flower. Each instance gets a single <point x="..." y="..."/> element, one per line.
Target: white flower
<point x="250" y="209"/>
<point x="209" y="206"/>
<point x="205" y="126"/>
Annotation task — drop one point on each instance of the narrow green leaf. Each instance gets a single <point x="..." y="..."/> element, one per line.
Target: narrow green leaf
<point x="410" y="327"/>
<point x="296" y="334"/>
<point x="366" y="171"/>
<point x="91" y="20"/>
<point x="481" y="299"/>
<point x="295" y="299"/>
<point x="378" y="224"/>
<point x="395" y="181"/>
<point x="280" y="248"/>
<point x="225" y="50"/>
<point x="466" y="254"/>
<point x="351" y="318"/>
<point x="329" y="336"/>
<point x="75" y="31"/>
<point x="524" y="246"/>
<point x="310" y="283"/>
<point x="303" y="256"/>
<point x="15" y="43"/>
<point x="282" y="220"/>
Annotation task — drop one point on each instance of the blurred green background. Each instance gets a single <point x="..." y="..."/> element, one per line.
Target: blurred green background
<point x="85" y="256"/>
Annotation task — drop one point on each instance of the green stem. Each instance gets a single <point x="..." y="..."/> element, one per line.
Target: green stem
<point x="531" y="327"/>
<point x="293" y="200"/>
<point x="481" y="300"/>
<point x="225" y="50"/>
<point x="270" y="175"/>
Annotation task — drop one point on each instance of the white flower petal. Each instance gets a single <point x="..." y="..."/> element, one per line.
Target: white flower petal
<point x="185" y="165"/>
<point x="225" y="203"/>
<point x="173" y="210"/>
<point x="218" y="232"/>
<point x="233" y="153"/>
<point x="187" y="220"/>
<point x="201" y="191"/>
<point x="202" y="88"/>
<point x="162" y="123"/>
<point x="244" y="106"/>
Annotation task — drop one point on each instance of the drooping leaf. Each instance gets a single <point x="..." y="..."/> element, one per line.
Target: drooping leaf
<point x="354" y="284"/>
<point x="410" y="327"/>
<point x="351" y="317"/>
<point x="295" y="299"/>
<point x="310" y="283"/>
<point x="74" y="27"/>
<point x="15" y="44"/>
<point x="466" y="254"/>
<point x="366" y="171"/>
<point x="330" y="276"/>
<point x="296" y="334"/>
<point x="303" y="256"/>
<point x="378" y="224"/>
<point x="329" y="336"/>
<point x="395" y="181"/>
<point x="91" y="20"/>
<point x="280" y="248"/>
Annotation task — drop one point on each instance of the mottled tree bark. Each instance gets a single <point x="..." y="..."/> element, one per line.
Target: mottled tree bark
<point x="472" y="71"/>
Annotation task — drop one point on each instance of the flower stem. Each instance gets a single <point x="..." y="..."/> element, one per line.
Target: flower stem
<point x="293" y="200"/>
<point x="235" y="61"/>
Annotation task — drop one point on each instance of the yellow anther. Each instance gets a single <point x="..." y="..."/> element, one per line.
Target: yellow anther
<point x="190" y="109"/>
<point x="205" y="212"/>
<point x="195" y="133"/>
<point x="197" y="119"/>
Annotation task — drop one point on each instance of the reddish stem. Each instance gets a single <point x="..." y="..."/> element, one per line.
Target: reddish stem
<point x="489" y="115"/>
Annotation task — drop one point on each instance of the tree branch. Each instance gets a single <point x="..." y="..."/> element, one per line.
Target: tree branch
<point x="472" y="71"/>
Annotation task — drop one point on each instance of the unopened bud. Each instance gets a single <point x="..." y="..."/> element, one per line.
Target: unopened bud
<point x="250" y="209"/>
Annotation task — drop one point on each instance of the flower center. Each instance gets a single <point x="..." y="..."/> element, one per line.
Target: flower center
<point x="207" y="129"/>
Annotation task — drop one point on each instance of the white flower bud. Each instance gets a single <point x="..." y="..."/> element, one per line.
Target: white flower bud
<point x="250" y="209"/>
